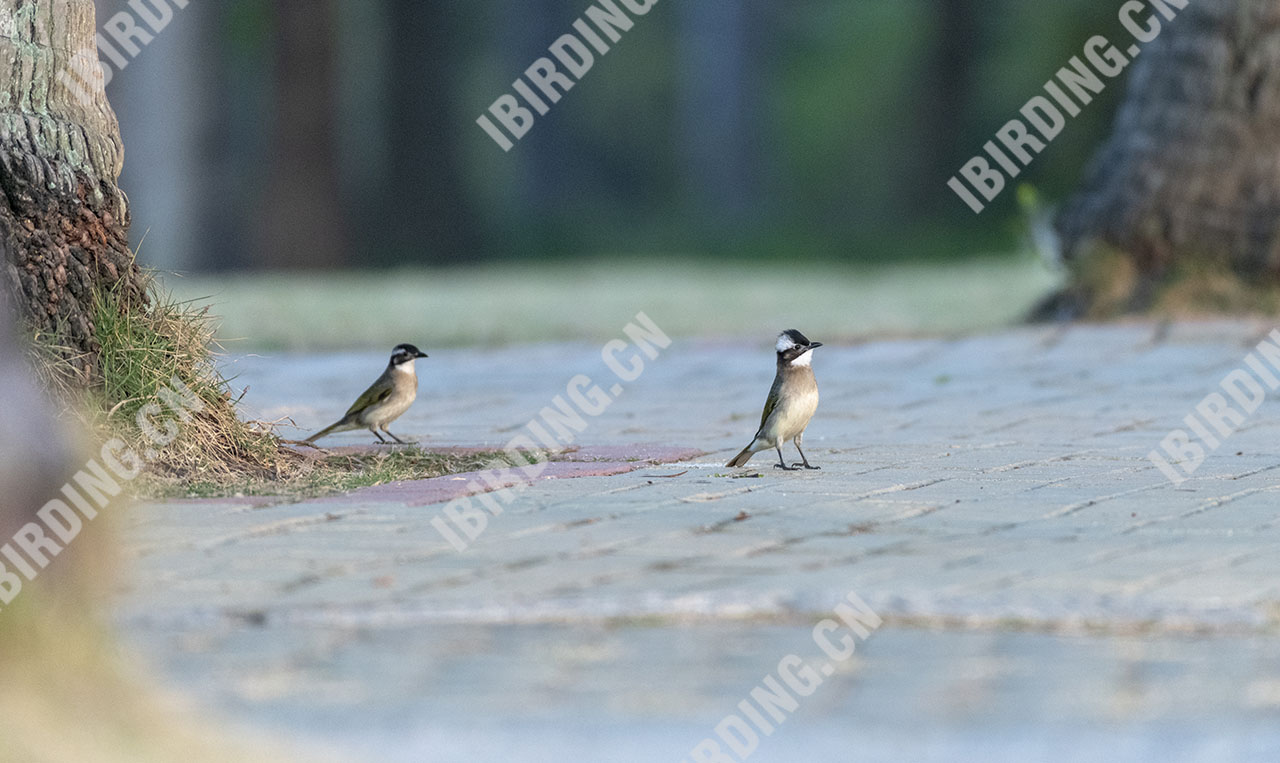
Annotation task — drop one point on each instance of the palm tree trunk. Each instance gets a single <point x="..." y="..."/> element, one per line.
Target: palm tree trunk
<point x="63" y="220"/>
<point x="1192" y="168"/>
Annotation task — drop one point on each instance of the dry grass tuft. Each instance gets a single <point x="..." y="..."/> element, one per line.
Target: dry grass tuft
<point x="141" y="352"/>
<point x="1198" y="289"/>
<point x="215" y="453"/>
<point x="330" y="474"/>
<point x="1106" y="284"/>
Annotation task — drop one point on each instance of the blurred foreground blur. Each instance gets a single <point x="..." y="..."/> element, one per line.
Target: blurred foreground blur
<point x="67" y="693"/>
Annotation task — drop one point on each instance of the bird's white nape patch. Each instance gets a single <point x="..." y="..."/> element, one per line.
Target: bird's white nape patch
<point x="785" y="342"/>
<point x="804" y="360"/>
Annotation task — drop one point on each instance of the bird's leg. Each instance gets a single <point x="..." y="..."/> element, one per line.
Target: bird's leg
<point x="805" y="458"/>
<point x="375" y="434"/>
<point x="782" y="462"/>
<point x="397" y="439"/>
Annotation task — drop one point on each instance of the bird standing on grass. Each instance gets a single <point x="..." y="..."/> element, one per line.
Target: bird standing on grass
<point x="791" y="404"/>
<point x="385" y="401"/>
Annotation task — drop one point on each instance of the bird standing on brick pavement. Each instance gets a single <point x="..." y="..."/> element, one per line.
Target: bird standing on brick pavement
<point x="792" y="402"/>
<point x="385" y="401"/>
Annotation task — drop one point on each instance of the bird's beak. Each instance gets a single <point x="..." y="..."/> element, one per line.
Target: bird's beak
<point x="422" y="355"/>
<point x="815" y="345"/>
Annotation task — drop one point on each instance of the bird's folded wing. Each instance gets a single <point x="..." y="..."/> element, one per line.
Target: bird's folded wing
<point x="774" y="393"/>
<point x="372" y="396"/>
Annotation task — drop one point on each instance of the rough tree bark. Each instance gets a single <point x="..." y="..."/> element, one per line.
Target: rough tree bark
<point x="1192" y="168"/>
<point x="63" y="219"/>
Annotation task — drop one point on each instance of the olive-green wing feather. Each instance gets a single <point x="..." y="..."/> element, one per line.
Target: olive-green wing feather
<point x="774" y="393"/>
<point x="380" y="391"/>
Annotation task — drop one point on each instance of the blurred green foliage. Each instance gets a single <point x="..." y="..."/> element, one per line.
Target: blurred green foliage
<point x="745" y="129"/>
<point x="855" y="124"/>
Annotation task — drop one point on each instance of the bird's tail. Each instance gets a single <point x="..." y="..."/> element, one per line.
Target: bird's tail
<point x="742" y="458"/>
<point x="327" y="431"/>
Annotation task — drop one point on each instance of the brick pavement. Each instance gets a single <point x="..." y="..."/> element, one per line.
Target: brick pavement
<point x="990" y="497"/>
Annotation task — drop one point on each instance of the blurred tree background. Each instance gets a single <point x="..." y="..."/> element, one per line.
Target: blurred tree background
<point x="341" y="133"/>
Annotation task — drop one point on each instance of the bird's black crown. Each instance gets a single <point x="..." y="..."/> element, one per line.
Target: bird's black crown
<point x="793" y="345"/>
<point x="796" y="338"/>
<point x="404" y="353"/>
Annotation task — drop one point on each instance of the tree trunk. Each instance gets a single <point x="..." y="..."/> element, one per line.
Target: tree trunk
<point x="1191" y="172"/>
<point x="433" y="220"/>
<point x="303" y="222"/>
<point x="63" y="220"/>
<point x="945" y="91"/>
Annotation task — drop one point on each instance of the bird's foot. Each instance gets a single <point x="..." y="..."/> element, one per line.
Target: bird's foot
<point x="807" y="466"/>
<point x="785" y="468"/>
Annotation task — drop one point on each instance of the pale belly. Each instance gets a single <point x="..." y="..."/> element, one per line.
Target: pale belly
<point x="789" y="421"/>
<point x="384" y="414"/>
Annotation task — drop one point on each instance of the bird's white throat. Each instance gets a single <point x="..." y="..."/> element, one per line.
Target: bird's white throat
<point x="804" y="360"/>
<point x="405" y="368"/>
